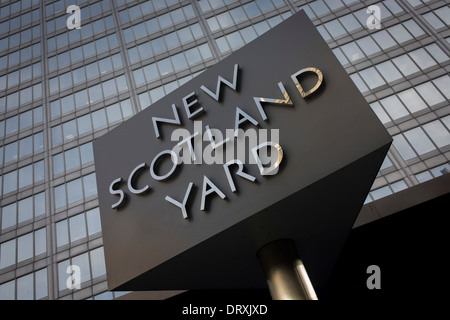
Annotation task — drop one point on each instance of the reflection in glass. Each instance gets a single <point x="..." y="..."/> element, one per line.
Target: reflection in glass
<point x="77" y="227"/>
<point x="418" y="139"/>
<point x="40" y="241"/>
<point x="402" y="146"/>
<point x="25" y="247"/>
<point x="74" y="191"/>
<point x="41" y="286"/>
<point x="412" y="100"/>
<point x="98" y="262"/>
<point x="25" y="287"/>
<point x="25" y="209"/>
<point x="438" y="133"/>
<point x="62" y="235"/>
<point x="9" y="215"/>
<point x="406" y="65"/>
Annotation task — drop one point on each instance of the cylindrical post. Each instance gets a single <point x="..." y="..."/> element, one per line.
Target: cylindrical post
<point x="285" y="273"/>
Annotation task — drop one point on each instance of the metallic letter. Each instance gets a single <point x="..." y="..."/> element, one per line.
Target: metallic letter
<point x="238" y="121"/>
<point x="188" y="105"/>
<point x="74" y="21"/>
<point x="182" y="205"/>
<point x="189" y="144"/>
<point x="273" y="168"/>
<point x="215" y="145"/>
<point x="172" y="121"/>
<point x="287" y="101"/>
<point x="130" y="180"/>
<point x="213" y="188"/>
<point x="167" y="175"/>
<point x="220" y="80"/>
<point x="239" y="173"/>
<point x="298" y="85"/>
<point x="120" y="192"/>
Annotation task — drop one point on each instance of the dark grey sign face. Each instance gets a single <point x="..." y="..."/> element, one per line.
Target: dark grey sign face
<point x="332" y="144"/>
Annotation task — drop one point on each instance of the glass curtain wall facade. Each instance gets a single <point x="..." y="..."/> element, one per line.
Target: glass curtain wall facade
<point x="61" y="88"/>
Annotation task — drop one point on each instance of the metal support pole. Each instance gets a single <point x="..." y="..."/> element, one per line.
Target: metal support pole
<point x="285" y="273"/>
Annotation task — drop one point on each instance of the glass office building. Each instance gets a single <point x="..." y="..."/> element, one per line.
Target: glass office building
<point x="61" y="88"/>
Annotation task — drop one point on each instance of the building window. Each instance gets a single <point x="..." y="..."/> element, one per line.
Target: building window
<point x="91" y="264"/>
<point x="438" y="133"/>
<point x="438" y="18"/>
<point x="90" y="122"/>
<point x="403" y="147"/>
<point x="419" y="140"/>
<point x="8" y="290"/>
<point x="28" y="246"/>
<point x="75" y="190"/>
<point x="23" y="210"/>
<point x="78" y="227"/>
<point x="72" y="158"/>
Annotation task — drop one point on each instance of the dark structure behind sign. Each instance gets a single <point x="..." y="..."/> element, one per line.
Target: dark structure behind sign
<point x="332" y="142"/>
